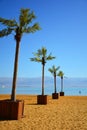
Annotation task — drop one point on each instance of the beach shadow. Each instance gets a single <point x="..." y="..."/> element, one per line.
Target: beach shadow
<point x="32" y="104"/>
<point x="2" y="120"/>
<point x="6" y="119"/>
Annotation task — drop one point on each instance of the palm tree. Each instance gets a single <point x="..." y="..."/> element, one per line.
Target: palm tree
<point x="53" y="71"/>
<point x="61" y="74"/>
<point x="19" y="28"/>
<point x="41" y="56"/>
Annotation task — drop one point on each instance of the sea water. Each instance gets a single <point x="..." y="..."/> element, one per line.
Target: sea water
<point x="71" y="86"/>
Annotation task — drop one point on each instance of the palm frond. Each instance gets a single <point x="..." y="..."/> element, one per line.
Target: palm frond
<point x="44" y="52"/>
<point x="5" y="32"/>
<point x="32" y="29"/>
<point x="26" y="17"/>
<point x="39" y="52"/>
<point x="36" y="59"/>
<point x="23" y="18"/>
<point x="9" y="23"/>
<point x="30" y="17"/>
<point x="49" y="57"/>
<point x="58" y="68"/>
<point x="36" y="27"/>
<point x="50" y="70"/>
<point x="36" y="54"/>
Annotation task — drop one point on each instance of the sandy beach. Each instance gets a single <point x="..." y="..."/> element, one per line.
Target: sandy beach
<point x="65" y="113"/>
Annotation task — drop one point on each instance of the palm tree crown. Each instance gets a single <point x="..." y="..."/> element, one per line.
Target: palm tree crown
<point x="41" y="56"/>
<point x="25" y="18"/>
<point x="61" y="74"/>
<point x="54" y="70"/>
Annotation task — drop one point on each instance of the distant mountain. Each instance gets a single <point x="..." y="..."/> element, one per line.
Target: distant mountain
<point x="48" y="81"/>
<point x="72" y="86"/>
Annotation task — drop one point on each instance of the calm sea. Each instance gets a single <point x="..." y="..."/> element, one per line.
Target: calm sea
<point x="72" y="86"/>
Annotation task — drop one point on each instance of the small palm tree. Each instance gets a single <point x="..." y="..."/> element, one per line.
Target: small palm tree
<point x="53" y="71"/>
<point x="41" y="56"/>
<point x="61" y="74"/>
<point x="19" y="28"/>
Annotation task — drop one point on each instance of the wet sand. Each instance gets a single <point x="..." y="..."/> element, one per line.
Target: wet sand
<point x="65" y="113"/>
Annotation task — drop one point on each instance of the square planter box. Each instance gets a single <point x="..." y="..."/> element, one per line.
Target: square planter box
<point x="55" y="95"/>
<point x="11" y="110"/>
<point x="61" y="93"/>
<point x="42" y="99"/>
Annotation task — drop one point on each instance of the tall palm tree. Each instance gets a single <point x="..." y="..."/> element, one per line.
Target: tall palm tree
<point x="53" y="71"/>
<point x="61" y="74"/>
<point x="19" y="28"/>
<point x="41" y="56"/>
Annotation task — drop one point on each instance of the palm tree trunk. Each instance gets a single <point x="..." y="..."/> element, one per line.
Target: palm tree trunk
<point x="13" y="94"/>
<point x="55" y="83"/>
<point x="61" y="84"/>
<point x="42" y="79"/>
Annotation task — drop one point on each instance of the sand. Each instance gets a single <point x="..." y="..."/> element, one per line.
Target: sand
<point x="65" y="113"/>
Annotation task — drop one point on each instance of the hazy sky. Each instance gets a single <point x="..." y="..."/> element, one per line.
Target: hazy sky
<point x="64" y="33"/>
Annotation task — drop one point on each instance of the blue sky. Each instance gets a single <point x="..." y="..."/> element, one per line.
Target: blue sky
<point x="64" y="33"/>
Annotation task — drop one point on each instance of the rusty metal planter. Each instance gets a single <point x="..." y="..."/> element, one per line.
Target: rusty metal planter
<point x="42" y="99"/>
<point x="61" y="93"/>
<point x="55" y="95"/>
<point x="11" y="110"/>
